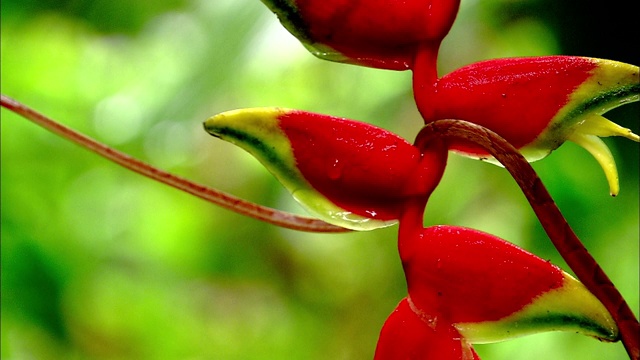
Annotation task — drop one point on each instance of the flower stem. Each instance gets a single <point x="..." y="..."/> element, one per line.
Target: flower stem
<point x="227" y="201"/>
<point x="585" y="267"/>
<point x="425" y="77"/>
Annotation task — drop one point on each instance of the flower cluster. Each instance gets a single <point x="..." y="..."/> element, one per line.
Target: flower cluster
<point x="464" y="286"/>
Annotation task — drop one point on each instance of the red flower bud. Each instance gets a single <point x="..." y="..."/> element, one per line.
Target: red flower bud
<point x="348" y="173"/>
<point x="537" y="103"/>
<point x="491" y="290"/>
<point x="377" y="33"/>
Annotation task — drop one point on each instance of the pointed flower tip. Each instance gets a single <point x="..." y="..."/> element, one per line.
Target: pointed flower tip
<point x="599" y="126"/>
<point x="587" y="133"/>
<point x="241" y="120"/>
<point x="611" y="84"/>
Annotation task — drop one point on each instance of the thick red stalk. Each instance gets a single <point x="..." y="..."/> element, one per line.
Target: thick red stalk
<point x="563" y="237"/>
<point x="425" y="78"/>
<point x="227" y="201"/>
<point x="411" y="220"/>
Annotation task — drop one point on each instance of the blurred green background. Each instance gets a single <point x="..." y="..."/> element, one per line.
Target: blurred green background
<point x="101" y="263"/>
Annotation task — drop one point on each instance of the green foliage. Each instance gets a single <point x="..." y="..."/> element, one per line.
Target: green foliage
<point x="100" y="263"/>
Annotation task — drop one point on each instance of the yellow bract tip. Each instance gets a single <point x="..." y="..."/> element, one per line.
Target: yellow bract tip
<point x="601" y="152"/>
<point x="569" y="308"/>
<point x="600" y="126"/>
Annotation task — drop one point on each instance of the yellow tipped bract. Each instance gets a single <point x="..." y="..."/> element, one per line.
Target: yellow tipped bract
<point x="570" y="307"/>
<point x="258" y="131"/>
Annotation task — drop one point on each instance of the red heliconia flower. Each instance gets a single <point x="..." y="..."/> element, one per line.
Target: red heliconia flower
<point x="537" y="103"/>
<point x="464" y="286"/>
<point x="347" y="173"/>
<point x="376" y="33"/>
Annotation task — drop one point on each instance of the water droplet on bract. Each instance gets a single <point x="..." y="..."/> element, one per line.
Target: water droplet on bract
<point x="335" y="171"/>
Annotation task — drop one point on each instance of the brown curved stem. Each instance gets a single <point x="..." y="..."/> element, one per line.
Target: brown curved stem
<point x="227" y="201"/>
<point x="563" y="237"/>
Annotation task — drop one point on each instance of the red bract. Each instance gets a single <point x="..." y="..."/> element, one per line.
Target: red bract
<point x="517" y="98"/>
<point x="377" y="33"/>
<point x="358" y="166"/>
<point x="536" y="103"/>
<point x="346" y="172"/>
<point x="493" y="278"/>
<point x="491" y="289"/>
<point x="520" y="98"/>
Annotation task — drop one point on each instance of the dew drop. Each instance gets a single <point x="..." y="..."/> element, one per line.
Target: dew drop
<point x="439" y="264"/>
<point x="335" y="170"/>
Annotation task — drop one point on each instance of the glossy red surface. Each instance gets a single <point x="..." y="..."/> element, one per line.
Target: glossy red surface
<point x="465" y="275"/>
<point x="381" y="33"/>
<point x="516" y="98"/>
<point x="360" y="167"/>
